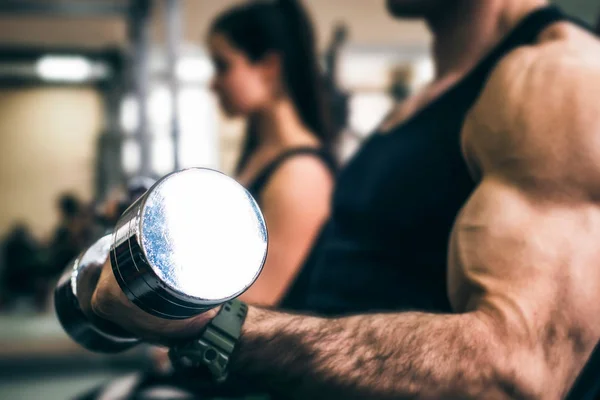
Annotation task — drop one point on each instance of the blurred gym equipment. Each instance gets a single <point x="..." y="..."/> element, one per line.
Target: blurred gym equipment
<point x="338" y="97"/>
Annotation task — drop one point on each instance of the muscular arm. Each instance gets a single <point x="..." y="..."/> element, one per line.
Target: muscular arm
<point x="523" y="264"/>
<point x="295" y="204"/>
<point x="386" y="356"/>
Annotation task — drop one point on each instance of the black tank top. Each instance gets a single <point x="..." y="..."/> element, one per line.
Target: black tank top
<point x="385" y="246"/>
<point x="258" y="184"/>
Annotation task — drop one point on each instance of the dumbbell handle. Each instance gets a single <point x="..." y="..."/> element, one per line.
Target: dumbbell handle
<point x="72" y="299"/>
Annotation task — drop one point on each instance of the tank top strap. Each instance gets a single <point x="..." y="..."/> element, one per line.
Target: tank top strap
<point x="259" y="183"/>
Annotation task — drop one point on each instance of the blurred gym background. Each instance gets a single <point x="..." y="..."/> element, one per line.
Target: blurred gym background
<point x="94" y="93"/>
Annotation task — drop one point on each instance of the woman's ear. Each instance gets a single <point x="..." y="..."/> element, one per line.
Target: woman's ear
<point x="272" y="68"/>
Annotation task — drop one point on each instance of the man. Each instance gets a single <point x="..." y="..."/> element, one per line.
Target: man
<point x="523" y="279"/>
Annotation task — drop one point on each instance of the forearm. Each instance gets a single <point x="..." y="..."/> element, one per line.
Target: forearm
<point x="408" y="355"/>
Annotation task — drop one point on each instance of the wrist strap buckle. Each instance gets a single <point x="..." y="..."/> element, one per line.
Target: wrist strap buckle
<point x="215" y="345"/>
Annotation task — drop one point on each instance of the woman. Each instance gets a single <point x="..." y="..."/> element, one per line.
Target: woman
<point x="267" y="71"/>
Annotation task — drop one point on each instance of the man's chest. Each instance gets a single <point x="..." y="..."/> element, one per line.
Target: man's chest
<point x="402" y="180"/>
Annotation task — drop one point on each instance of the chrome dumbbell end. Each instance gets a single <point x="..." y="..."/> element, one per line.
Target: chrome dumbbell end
<point x="195" y="240"/>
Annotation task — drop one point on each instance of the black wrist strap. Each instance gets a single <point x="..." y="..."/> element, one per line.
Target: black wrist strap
<point x="216" y="343"/>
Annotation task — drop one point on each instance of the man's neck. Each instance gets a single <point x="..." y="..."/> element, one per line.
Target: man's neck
<point x="463" y="34"/>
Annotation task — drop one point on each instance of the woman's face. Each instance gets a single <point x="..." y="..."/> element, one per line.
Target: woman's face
<point x="241" y="85"/>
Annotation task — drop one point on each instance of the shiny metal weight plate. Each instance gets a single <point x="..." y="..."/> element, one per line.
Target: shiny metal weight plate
<point x="196" y="239"/>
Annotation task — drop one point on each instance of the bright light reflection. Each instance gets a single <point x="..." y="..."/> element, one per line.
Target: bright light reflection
<point x="64" y="68"/>
<point x="194" y="69"/>
<point x="130" y="118"/>
<point x="202" y="234"/>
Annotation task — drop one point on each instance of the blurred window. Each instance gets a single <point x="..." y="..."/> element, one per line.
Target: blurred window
<point x="367" y="110"/>
<point x="197" y="117"/>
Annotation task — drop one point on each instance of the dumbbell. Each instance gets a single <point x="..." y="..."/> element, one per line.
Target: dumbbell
<point x="195" y="240"/>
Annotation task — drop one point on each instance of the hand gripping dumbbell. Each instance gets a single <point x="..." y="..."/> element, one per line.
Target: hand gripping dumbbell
<point x="195" y="240"/>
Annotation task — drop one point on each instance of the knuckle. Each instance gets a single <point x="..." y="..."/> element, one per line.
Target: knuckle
<point x="101" y="304"/>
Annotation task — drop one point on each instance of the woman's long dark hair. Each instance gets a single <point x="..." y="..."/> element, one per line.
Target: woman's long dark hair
<point x="283" y="27"/>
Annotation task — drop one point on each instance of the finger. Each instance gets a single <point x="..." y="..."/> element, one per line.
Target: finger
<point x="108" y="297"/>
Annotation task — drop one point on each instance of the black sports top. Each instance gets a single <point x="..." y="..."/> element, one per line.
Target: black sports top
<point x="385" y="246"/>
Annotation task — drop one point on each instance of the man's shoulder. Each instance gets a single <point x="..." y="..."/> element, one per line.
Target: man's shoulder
<point x="538" y="97"/>
<point x="560" y="52"/>
<point x="568" y="36"/>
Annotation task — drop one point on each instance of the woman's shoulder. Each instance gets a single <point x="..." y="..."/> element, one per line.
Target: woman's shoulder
<point x="306" y="168"/>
